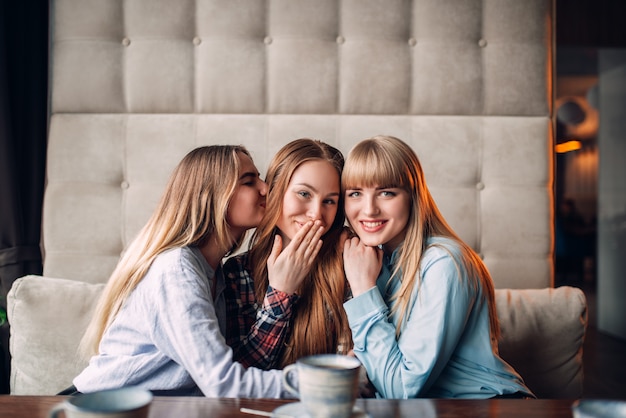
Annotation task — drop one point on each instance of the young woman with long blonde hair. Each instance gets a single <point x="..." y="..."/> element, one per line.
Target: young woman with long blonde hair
<point x="160" y="321"/>
<point x="423" y="316"/>
<point x="302" y="302"/>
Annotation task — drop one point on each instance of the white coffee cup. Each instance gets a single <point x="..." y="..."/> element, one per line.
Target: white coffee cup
<point x="128" y="402"/>
<point x="328" y="384"/>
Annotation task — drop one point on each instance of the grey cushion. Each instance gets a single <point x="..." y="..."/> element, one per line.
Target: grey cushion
<point x="542" y="337"/>
<point x="47" y="318"/>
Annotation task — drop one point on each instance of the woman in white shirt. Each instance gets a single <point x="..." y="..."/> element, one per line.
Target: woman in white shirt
<point x="160" y="321"/>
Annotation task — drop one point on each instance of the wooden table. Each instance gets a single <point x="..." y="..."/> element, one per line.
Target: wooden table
<point x="190" y="407"/>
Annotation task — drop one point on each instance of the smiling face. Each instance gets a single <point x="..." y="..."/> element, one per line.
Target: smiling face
<point x="379" y="216"/>
<point x="312" y="194"/>
<point x="247" y="204"/>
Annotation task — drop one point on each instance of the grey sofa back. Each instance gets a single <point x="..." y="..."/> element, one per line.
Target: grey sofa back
<point x="137" y="84"/>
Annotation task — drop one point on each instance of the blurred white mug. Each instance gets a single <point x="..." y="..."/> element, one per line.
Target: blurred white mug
<point x="328" y="384"/>
<point x="128" y="402"/>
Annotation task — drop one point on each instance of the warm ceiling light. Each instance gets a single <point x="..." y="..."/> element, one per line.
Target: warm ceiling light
<point x="567" y="146"/>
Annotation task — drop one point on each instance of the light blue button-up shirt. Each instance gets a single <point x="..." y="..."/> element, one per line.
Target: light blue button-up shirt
<point x="168" y="336"/>
<point x="444" y="348"/>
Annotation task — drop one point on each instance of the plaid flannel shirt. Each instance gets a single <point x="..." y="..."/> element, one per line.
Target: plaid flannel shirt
<point x="255" y="333"/>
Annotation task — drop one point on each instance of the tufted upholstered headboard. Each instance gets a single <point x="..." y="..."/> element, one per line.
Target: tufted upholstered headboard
<point x="135" y="84"/>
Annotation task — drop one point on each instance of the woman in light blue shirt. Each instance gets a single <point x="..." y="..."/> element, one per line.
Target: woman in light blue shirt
<point x="161" y="319"/>
<point x="423" y="316"/>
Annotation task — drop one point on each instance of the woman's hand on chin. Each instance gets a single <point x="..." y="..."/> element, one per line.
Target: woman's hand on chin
<point x="361" y="264"/>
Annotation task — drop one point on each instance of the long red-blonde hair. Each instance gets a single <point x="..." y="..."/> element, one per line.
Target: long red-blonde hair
<point x="319" y="323"/>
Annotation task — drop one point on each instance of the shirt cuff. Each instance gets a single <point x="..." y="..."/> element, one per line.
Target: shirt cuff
<point x="365" y="305"/>
<point x="278" y="302"/>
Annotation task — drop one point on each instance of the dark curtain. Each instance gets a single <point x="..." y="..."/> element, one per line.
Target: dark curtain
<point x="23" y="132"/>
<point x="590" y="23"/>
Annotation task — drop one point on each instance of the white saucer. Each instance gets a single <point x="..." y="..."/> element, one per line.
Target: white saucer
<point x="297" y="410"/>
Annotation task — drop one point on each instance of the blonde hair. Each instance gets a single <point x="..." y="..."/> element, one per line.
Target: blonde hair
<point x="319" y="323"/>
<point x="192" y="210"/>
<point x="386" y="161"/>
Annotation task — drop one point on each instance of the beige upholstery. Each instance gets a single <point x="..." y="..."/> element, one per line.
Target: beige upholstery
<point x="542" y="334"/>
<point x="48" y="318"/>
<point x="136" y="84"/>
<point x="542" y="330"/>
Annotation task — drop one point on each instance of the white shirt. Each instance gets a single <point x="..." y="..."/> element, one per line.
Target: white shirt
<point x="169" y="336"/>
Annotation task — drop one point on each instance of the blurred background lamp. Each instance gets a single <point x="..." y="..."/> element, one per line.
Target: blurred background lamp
<point x="570" y="113"/>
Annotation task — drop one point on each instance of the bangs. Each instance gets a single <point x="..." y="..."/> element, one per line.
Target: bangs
<point x="369" y="165"/>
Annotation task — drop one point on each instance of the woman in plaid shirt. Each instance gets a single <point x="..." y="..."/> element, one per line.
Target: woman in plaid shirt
<point x="285" y="295"/>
